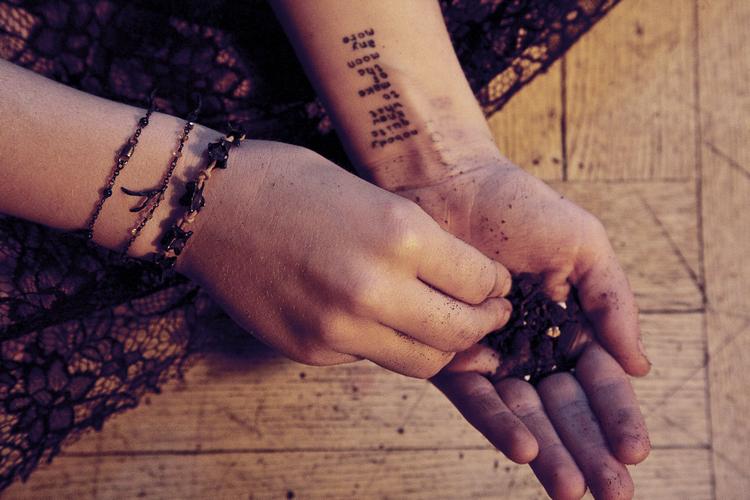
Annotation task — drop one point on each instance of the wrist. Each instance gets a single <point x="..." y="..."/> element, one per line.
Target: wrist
<point x="189" y="164"/>
<point x="423" y="136"/>
<point x="231" y="204"/>
<point x="439" y="154"/>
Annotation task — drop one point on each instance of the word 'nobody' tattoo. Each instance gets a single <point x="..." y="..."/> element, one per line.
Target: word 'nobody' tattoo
<point x="388" y="115"/>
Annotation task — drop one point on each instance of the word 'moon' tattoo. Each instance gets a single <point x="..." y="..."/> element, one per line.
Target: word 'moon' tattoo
<point x="389" y="120"/>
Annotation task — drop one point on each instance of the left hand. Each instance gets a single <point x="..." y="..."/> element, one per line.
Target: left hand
<point x="574" y="429"/>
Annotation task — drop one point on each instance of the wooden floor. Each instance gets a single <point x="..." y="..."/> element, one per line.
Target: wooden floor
<point x="645" y="123"/>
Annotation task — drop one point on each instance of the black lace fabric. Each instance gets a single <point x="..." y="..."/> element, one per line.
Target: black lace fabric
<point x="84" y="335"/>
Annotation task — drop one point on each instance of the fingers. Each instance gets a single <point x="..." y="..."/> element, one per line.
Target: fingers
<point x="460" y="270"/>
<point x="554" y="466"/>
<point x="609" y="304"/>
<point x="612" y="398"/>
<point x="477" y="358"/>
<point x="393" y="350"/>
<point x="476" y="399"/>
<point x="565" y="404"/>
<point x="441" y="321"/>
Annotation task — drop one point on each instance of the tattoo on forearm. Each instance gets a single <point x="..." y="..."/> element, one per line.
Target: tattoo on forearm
<point x="389" y="120"/>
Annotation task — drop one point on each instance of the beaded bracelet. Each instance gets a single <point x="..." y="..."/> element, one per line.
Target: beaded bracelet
<point x="122" y="158"/>
<point x="153" y="197"/>
<point x="176" y="237"/>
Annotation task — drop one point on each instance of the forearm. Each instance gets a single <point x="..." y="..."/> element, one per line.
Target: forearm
<point x="389" y="77"/>
<point x="58" y="148"/>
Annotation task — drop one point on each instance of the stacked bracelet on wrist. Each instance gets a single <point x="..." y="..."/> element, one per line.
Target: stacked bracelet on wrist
<point x="123" y="156"/>
<point x="176" y="237"/>
<point x="153" y="197"/>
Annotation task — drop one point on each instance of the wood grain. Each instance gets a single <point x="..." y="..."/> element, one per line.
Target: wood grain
<point x="434" y="474"/>
<point x="724" y="69"/>
<point x="649" y="237"/>
<point x="256" y="401"/>
<point x="528" y="129"/>
<point x="630" y="94"/>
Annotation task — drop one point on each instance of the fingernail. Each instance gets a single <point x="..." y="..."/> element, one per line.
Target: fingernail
<point x="504" y="281"/>
<point x="506" y="309"/>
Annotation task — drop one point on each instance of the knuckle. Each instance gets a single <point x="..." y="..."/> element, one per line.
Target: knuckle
<point x="330" y="330"/>
<point x="400" y="219"/>
<point x="361" y="295"/>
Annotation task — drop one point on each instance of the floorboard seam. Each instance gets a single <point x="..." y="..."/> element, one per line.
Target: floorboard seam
<point x="697" y="119"/>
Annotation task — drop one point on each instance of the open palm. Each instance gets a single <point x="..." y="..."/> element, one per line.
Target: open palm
<point x="575" y="429"/>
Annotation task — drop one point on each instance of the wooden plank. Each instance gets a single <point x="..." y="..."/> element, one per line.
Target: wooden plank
<point x="667" y="474"/>
<point x="673" y="396"/>
<point x="724" y="71"/>
<point x="724" y="68"/>
<point x="528" y="128"/>
<point x="256" y="401"/>
<point x="649" y="236"/>
<point x="729" y="338"/>
<point x="629" y="87"/>
<point x="672" y="206"/>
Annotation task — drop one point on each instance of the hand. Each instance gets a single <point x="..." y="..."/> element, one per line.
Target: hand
<point x="520" y="221"/>
<point x="573" y="429"/>
<point x="329" y="269"/>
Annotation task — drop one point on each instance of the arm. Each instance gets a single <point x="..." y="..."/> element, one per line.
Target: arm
<point x="453" y="170"/>
<point x="316" y="262"/>
<point x="408" y="43"/>
<point x="58" y="148"/>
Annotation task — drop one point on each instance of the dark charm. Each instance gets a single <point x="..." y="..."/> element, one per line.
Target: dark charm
<point x="219" y="152"/>
<point x="175" y="239"/>
<point x="193" y="198"/>
<point x="237" y="132"/>
<point x="147" y="194"/>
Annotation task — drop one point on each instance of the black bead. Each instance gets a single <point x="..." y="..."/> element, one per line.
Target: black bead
<point x="89" y="235"/>
<point x="143" y="122"/>
<point x="107" y="192"/>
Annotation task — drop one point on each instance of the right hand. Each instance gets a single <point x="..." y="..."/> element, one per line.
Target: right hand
<point x="328" y="268"/>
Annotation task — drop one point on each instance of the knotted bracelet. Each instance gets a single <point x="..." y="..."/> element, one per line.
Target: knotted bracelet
<point x="176" y="237"/>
